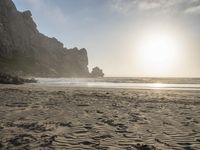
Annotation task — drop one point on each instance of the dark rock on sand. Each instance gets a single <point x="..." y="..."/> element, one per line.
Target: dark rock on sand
<point x="1" y="145"/>
<point x="22" y="139"/>
<point x="144" y="147"/>
<point x="26" y="51"/>
<point x="9" y="79"/>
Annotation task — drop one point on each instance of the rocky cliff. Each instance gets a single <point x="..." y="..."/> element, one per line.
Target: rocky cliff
<point x="25" y="51"/>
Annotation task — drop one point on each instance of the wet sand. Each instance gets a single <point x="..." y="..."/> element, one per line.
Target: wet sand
<point x="38" y="117"/>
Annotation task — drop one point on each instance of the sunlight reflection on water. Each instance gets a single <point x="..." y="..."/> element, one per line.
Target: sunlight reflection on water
<point x="66" y="82"/>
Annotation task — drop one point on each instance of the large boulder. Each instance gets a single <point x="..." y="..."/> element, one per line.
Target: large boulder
<point x="26" y="51"/>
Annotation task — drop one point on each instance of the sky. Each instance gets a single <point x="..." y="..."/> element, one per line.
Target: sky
<point x="121" y="35"/>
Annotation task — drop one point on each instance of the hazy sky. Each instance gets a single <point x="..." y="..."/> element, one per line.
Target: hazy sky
<point x="111" y="29"/>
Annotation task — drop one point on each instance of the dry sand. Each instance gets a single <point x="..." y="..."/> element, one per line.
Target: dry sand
<point x="36" y="117"/>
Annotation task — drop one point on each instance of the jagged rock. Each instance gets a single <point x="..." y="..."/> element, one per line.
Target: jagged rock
<point x="9" y="79"/>
<point x="97" y="72"/>
<point x="25" y="51"/>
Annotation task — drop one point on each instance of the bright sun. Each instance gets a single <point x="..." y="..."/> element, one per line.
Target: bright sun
<point x="157" y="52"/>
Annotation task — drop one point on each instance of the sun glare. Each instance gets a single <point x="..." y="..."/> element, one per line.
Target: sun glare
<point x="157" y="52"/>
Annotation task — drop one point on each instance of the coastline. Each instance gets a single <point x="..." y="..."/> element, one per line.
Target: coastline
<point x="33" y="117"/>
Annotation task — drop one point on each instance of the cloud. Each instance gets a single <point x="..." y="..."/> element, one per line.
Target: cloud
<point x="148" y="5"/>
<point x="127" y="6"/>
<point x="193" y="10"/>
<point x="123" y="6"/>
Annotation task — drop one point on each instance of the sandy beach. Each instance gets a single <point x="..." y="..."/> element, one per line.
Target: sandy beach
<point x="39" y="117"/>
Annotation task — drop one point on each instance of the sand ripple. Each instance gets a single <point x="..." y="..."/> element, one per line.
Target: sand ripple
<point x="47" y="118"/>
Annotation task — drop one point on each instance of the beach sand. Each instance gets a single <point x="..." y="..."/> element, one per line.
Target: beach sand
<point x="39" y="117"/>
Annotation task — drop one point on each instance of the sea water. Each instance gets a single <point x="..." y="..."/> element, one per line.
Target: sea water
<point x="130" y="83"/>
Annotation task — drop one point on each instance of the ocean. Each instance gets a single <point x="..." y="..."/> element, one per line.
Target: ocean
<point x="125" y="82"/>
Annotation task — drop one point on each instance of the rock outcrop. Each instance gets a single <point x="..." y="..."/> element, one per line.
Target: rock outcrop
<point x="9" y="79"/>
<point x="25" y="51"/>
<point x="97" y="72"/>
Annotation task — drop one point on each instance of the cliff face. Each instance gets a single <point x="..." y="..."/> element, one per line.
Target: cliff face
<point x="25" y="51"/>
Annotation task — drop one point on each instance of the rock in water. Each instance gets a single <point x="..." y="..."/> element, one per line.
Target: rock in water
<point x="97" y="72"/>
<point x="25" y="51"/>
